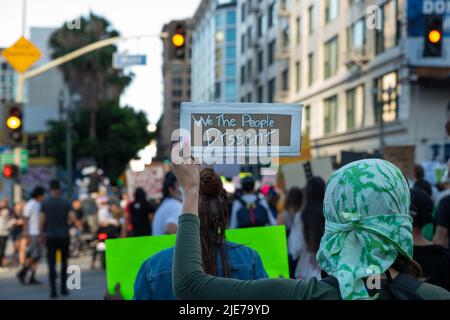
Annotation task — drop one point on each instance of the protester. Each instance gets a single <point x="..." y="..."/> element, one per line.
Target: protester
<point x="307" y="231"/>
<point x="57" y="216"/>
<point x="368" y="231"/>
<point x="250" y="209"/>
<point x="17" y="233"/>
<point x="166" y="217"/>
<point x="420" y="181"/>
<point x="4" y="229"/>
<point x="441" y="236"/>
<point x="272" y="200"/>
<point x="220" y="257"/>
<point x="89" y="207"/>
<point x="141" y="214"/>
<point x="292" y="205"/>
<point x="32" y="234"/>
<point x="434" y="259"/>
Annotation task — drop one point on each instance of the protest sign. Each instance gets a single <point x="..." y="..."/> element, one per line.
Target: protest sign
<point x="151" y="180"/>
<point x="403" y="157"/>
<point x="240" y="129"/>
<point x="124" y="257"/>
<point x="297" y="174"/>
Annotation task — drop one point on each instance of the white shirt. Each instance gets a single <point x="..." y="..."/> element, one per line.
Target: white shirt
<point x="167" y="213"/>
<point x="250" y="198"/>
<point x="32" y="212"/>
<point x="105" y="217"/>
<point x="307" y="267"/>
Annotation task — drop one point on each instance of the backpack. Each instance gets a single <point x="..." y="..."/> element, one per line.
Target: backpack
<point x="252" y="214"/>
<point x="403" y="287"/>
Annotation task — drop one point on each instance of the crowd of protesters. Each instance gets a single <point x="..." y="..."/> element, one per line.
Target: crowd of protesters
<point x="49" y="223"/>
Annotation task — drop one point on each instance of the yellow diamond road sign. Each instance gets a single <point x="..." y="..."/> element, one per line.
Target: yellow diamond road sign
<point x="21" y="55"/>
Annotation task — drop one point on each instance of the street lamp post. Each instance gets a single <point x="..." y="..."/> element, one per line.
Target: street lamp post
<point x="74" y="100"/>
<point x="380" y="102"/>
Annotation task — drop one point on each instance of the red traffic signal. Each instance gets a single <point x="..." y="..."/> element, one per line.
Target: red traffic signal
<point x="10" y="171"/>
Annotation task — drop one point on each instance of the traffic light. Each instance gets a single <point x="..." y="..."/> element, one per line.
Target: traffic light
<point x="14" y="123"/>
<point x="10" y="171"/>
<point x="433" y="36"/>
<point x="178" y="42"/>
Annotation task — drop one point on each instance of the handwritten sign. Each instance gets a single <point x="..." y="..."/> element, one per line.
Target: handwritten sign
<point x="242" y="128"/>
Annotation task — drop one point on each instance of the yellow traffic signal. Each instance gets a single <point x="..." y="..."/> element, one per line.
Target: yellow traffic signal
<point x="178" y="40"/>
<point x="434" y="36"/>
<point x="13" y="122"/>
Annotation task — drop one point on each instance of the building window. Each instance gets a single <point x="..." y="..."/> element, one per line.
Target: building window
<point x="177" y="93"/>
<point x="231" y="17"/>
<point x="259" y="26"/>
<point x="351" y="108"/>
<point x="271" y="86"/>
<point x="330" y="115"/>
<point x="331" y="58"/>
<point x="176" y="104"/>
<point x="177" y="82"/>
<point x="357" y="36"/>
<point x="298" y="30"/>
<point x="271" y="53"/>
<point x="230" y="70"/>
<point x="285" y="37"/>
<point x="311" y="19"/>
<point x="307" y="120"/>
<point x="249" y="37"/>
<point x="387" y="36"/>
<point x="243" y="43"/>
<point x="331" y="10"/>
<point x="311" y="77"/>
<point x="219" y="20"/>
<point x="243" y="74"/>
<point x="217" y="90"/>
<point x="243" y="12"/>
<point x="230" y="89"/>
<point x="231" y="52"/>
<point x="297" y="76"/>
<point x="249" y="69"/>
<point x="260" y="94"/>
<point x="285" y="80"/>
<point x="231" y="35"/>
<point x="271" y="15"/>
<point x="387" y="93"/>
<point x="260" y="61"/>
<point x="249" y="97"/>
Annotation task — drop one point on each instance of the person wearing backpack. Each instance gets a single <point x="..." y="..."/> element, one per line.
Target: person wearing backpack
<point x="366" y="252"/>
<point x="250" y="209"/>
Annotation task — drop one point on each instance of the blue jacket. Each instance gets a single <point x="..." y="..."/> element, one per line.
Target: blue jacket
<point x="154" y="279"/>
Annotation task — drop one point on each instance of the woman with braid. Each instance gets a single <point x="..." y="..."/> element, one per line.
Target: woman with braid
<point x="366" y="251"/>
<point x="219" y="257"/>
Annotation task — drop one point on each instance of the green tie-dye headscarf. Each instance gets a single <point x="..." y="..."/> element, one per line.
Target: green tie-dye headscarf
<point x="366" y="209"/>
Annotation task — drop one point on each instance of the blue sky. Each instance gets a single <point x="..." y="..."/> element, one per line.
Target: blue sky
<point x="130" y="17"/>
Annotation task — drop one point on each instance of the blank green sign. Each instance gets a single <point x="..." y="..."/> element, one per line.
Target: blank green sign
<point x="124" y="257"/>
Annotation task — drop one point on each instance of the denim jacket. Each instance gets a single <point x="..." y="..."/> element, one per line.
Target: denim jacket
<point x="154" y="279"/>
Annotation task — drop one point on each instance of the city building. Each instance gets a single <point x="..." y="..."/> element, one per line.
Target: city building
<point x="353" y="63"/>
<point x="214" y="52"/>
<point x="43" y="100"/>
<point x="263" y="50"/>
<point x="177" y="81"/>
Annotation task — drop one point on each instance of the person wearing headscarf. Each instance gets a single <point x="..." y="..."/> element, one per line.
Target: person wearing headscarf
<point x="368" y="233"/>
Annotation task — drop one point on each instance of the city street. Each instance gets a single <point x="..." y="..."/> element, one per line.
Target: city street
<point x="93" y="283"/>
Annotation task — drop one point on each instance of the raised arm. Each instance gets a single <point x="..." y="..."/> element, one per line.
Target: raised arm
<point x="189" y="279"/>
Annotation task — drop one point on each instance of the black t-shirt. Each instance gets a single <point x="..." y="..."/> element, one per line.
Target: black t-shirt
<point x="443" y="214"/>
<point x="435" y="262"/>
<point x="56" y="212"/>
<point x="139" y="212"/>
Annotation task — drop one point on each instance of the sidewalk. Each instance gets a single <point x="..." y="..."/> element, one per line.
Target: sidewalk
<point x="93" y="283"/>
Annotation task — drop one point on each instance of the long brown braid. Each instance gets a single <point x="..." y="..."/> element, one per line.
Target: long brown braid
<point x="214" y="216"/>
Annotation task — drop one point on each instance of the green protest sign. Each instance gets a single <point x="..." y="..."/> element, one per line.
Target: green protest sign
<point x="124" y="257"/>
